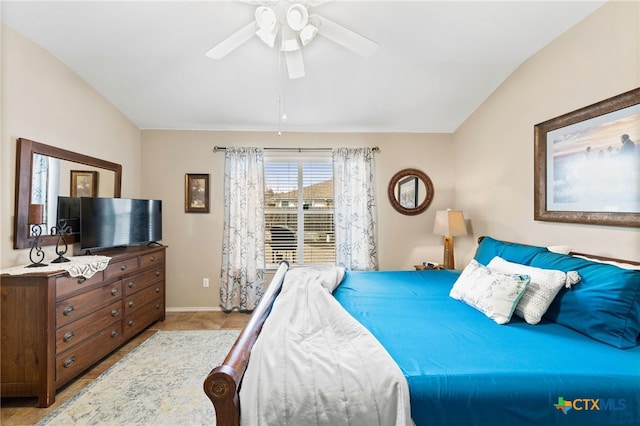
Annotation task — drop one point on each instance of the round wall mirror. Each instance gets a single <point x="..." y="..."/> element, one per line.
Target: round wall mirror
<point x="410" y="191"/>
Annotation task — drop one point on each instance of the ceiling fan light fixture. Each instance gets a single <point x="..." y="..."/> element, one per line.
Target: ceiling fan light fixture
<point x="289" y="40"/>
<point x="297" y="17"/>
<point x="268" y="36"/>
<point x="308" y="33"/>
<point x="265" y="18"/>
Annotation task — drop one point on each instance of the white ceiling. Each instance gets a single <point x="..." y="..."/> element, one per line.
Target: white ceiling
<point x="437" y="62"/>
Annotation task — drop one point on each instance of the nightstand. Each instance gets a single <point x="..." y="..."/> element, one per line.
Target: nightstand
<point x="428" y="266"/>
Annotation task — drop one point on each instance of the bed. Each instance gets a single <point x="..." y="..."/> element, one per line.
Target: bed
<point x="579" y="363"/>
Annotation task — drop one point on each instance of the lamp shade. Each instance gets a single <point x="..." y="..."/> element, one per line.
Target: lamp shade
<point x="449" y="223"/>
<point x="36" y="214"/>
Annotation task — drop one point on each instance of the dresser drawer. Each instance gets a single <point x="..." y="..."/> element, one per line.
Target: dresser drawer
<point x="74" y="333"/>
<point x="140" y="281"/>
<point x="137" y="300"/>
<point x="151" y="259"/>
<point x="141" y="318"/>
<point x="67" y="285"/>
<point x="76" y="307"/>
<point x="74" y="361"/>
<point x="121" y="267"/>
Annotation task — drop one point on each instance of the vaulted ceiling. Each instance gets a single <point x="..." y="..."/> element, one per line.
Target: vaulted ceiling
<point x="437" y="60"/>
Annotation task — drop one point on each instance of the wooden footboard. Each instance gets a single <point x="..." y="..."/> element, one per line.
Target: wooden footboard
<point x="223" y="382"/>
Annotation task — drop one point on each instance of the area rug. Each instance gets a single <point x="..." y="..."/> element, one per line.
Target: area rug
<point x="158" y="383"/>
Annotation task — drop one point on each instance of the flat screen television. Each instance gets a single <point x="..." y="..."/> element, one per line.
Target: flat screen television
<point x="113" y="222"/>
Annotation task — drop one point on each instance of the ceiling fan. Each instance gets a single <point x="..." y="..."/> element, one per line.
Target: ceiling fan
<point x="289" y="26"/>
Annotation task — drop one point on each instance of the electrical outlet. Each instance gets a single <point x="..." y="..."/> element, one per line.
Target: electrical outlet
<point x="205" y="282"/>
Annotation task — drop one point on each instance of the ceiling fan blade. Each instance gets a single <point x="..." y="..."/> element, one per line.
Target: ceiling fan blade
<point x="295" y="64"/>
<point x="345" y="37"/>
<point x="232" y="42"/>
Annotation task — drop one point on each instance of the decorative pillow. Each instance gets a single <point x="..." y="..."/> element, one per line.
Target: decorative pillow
<point x="543" y="288"/>
<point x="493" y="293"/>
<point x="604" y="306"/>
<point x="518" y="253"/>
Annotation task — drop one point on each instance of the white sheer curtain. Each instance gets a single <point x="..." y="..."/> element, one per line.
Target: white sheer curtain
<point x="243" y="262"/>
<point x="355" y="209"/>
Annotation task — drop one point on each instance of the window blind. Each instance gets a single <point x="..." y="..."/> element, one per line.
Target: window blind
<point x="299" y="210"/>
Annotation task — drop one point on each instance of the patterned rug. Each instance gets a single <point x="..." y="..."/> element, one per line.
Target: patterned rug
<point x="158" y="383"/>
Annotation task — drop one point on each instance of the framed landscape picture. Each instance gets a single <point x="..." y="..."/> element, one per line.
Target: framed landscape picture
<point x="587" y="164"/>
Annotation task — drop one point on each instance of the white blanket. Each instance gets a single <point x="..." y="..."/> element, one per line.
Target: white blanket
<point x="314" y="364"/>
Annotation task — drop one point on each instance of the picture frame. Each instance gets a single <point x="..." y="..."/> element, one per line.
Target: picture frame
<point x="84" y="183"/>
<point x="585" y="169"/>
<point x="196" y="193"/>
<point x="408" y="192"/>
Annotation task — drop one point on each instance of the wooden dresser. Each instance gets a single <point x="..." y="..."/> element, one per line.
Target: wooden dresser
<point x="53" y="326"/>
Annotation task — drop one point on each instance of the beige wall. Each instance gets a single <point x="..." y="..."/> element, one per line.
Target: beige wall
<point x="597" y="59"/>
<point x="44" y="101"/>
<point x="195" y="240"/>
<point x="485" y="168"/>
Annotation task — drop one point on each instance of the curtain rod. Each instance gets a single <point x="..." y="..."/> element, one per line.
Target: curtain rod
<point x="222" y="148"/>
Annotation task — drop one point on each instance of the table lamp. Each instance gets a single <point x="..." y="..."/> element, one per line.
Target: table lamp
<point x="449" y="223"/>
<point x="36" y="218"/>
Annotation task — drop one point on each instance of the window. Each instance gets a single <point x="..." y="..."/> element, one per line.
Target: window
<point x="299" y="210"/>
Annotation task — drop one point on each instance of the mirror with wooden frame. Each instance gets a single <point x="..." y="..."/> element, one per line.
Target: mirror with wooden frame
<point x="410" y="191"/>
<point x="54" y="178"/>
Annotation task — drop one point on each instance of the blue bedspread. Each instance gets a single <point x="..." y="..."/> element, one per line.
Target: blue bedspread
<point x="464" y="369"/>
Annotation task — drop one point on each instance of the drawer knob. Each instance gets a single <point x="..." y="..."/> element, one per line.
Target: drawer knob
<point x="157" y="306"/>
<point x="115" y="313"/>
<point x="81" y="280"/>
<point x="132" y="303"/>
<point x="157" y="273"/>
<point x="157" y="289"/>
<point x="131" y="284"/>
<point x="131" y="322"/>
<point x="68" y="311"/>
<point x="153" y="258"/>
<point x="123" y="268"/>
<point x="114" y="291"/>
<point x="68" y="336"/>
<point x="114" y="333"/>
<point x="69" y="362"/>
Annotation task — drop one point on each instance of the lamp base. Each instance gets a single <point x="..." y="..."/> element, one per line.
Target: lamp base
<point x="448" y="262"/>
<point x="36" y="265"/>
<point x="60" y="259"/>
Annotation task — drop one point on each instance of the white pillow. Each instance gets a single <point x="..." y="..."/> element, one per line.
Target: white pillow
<point x="543" y="288"/>
<point x="560" y="249"/>
<point x="493" y="293"/>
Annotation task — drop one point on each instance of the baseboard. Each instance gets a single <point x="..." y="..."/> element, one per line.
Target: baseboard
<point x="195" y="309"/>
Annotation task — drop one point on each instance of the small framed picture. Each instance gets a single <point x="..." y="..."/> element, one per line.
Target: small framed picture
<point x="196" y="193"/>
<point x="84" y="183"/>
<point x="408" y="192"/>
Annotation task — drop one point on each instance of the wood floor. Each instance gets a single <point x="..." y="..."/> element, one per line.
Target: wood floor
<point x="24" y="411"/>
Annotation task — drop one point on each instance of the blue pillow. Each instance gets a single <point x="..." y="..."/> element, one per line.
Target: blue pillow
<point x="513" y="252"/>
<point x="604" y="305"/>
